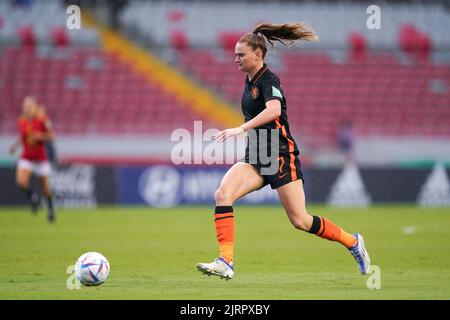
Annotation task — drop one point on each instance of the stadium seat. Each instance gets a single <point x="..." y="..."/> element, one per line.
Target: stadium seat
<point x="358" y="46"/>
<point x="27" y="36"/>
<point x="60" y="37"/>
<point x="179" y="40"/>
<point x="414" y="42"/>
<point x="228" y="39"/>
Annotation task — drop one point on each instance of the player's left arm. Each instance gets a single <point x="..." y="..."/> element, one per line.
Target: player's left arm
<point x="14" y="146"/>
<point x="269" y="114"/>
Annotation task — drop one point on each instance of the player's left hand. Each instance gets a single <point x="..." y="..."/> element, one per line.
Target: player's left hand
<point x="222" y="135"/>
<point x="12" y="149"/>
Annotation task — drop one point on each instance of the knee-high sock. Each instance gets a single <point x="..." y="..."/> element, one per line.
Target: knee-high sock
<point x="50" y="202"/>
<point x="224" y="222"/>
<point x="326" y="229"/>
<point x="28" y="193"/>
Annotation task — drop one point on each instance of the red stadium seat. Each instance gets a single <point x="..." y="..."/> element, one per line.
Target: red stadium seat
<point x="27" y="36"/>
<point x="407" y="38"/>
<point x="358" y="46"/>
<point x="414" y="42"/>
<point x="60" y="37"/>
<point x="178" y="40"/>
<point x="228" y="39"/>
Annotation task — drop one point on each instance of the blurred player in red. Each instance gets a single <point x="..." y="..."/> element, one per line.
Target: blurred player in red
<point x="33" y="135"/>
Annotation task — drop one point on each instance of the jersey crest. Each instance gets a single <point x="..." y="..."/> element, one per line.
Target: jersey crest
<point x="255" y="92"/>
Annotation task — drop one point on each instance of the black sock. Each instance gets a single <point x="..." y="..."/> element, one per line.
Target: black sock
<point x="27" y="192"/>
<point x="315" y="227"/>
<point x="51" y="213"/>
<point x="50" y="202"/>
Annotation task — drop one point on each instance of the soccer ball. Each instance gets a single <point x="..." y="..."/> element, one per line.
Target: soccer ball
<point x="92" y="269"/>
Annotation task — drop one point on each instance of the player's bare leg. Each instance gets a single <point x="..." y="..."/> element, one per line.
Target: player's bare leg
<point x="46" y="190"/>
<point x="23" y="177"/>
<point x="240" y="180"/>
<point x="292" y="198"/>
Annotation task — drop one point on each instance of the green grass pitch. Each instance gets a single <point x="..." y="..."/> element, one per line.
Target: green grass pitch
<point x="153" y="253"/>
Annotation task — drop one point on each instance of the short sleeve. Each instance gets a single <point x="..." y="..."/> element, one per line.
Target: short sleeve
<point x="271" y="89"/>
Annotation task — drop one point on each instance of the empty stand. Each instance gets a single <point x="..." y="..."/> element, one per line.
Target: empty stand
<point x="376" y="92"/>
<point x="87" y="91"/>
<point x="333" y="21"/>
<point x="41" y="23"/>
<point x="398" y="92"/>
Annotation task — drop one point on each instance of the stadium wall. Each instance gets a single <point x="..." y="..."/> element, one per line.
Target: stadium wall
<point x="165" y="185"/>
<point x="77" y="185"/>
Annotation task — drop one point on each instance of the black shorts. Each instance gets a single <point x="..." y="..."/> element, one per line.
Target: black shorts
<point x="289" y="169"/>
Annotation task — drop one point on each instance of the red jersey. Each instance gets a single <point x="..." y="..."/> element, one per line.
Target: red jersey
<point x="33" y="151"/>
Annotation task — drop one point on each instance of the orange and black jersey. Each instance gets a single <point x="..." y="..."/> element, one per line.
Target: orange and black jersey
<point x="263" y="87"/>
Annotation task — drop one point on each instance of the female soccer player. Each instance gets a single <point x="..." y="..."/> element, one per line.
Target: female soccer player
<point x="264" y="108"/>
<point x="33" y="134"/>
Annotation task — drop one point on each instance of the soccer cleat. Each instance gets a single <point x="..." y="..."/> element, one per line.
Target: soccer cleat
<point x="220" y="267"/>
<point x="360" y="254"/>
